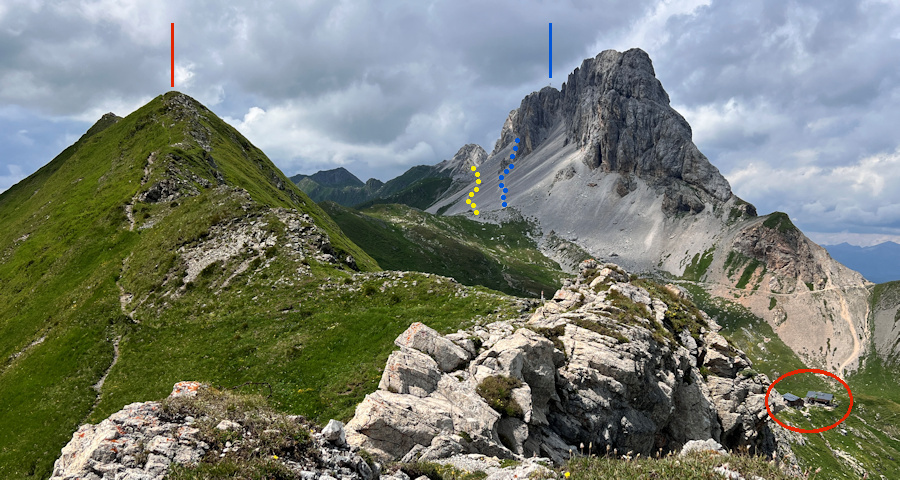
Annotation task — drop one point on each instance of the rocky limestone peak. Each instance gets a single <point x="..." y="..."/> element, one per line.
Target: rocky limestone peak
<point x="186" y="105"/>
<point x="615" y="110"/>
<point x="468" y="156"/>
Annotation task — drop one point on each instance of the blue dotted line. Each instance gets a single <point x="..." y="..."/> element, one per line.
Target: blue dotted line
<point x="512" y="156"/>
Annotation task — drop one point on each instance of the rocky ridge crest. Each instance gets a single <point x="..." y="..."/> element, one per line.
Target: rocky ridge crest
<point x="606" y="362"/>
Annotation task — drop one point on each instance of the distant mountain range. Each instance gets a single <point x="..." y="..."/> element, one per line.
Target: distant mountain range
<point x="878" y="263"/>
<point x="420" y="186"/>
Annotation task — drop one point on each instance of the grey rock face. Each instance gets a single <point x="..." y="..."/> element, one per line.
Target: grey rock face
<point x="585" y="378"/>
<point x="410" y="371"/>
<point x="334" y="432"/>
<point x="470" y="155"/>
<point x="426" y="340"/>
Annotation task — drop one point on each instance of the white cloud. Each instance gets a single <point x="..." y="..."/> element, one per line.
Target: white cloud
<point x="120" y="106"/>
<point x="649" y="32"/>
<point x="184" y="72"/>
<point x="291" y="133"/>
<point x="857" y="194"/>
<point x="22" y="137"/>
<point x="732" y="122"/>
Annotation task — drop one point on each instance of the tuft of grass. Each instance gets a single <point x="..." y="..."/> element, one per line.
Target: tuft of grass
<point x="553" y="335"/>
<point x="780" y="221"/>
<point x="693" y="466"/>
<point x="602" y="329"/>
<point x="436" y="471"/>
<point x="497" y="391"/>
<point x="266" y="436"/>
<point x="748" y="272"/>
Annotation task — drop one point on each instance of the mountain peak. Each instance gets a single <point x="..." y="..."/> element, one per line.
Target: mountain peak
<point x="470" y="155"/>
<point x="335" y="178"/>
<point x="616" y="112"/>
<point x="107" y="120"/>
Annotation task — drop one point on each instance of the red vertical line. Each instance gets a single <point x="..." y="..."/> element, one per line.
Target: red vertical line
<point x="173" y="55"/>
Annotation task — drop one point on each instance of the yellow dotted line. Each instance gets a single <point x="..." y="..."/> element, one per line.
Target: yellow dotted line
<point x="472" y="193"/>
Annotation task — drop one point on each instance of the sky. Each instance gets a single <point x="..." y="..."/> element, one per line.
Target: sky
<point x="796" y="102"/>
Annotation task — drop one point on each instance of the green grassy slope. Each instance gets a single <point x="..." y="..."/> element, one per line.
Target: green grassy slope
<point x="64" y="240"/>
<point x="421" y="194"/>
<point x="502" y="257"/>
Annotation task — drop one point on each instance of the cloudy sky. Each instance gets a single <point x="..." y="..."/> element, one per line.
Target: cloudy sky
<point x="796" y="102"/>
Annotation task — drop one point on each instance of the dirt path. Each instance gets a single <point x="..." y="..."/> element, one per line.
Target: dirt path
<point x="129" y="207"/>
<point x="129" y="212"/>
<point x="99" y="385"/>
<point x="845" y="314"/>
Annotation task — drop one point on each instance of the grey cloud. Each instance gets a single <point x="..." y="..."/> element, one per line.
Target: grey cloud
<point x="379" y="86"/>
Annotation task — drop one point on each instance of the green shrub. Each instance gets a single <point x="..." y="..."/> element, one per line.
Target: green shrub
<point x="704" y="371"/>
<point x="370" y="290"/>
<point x="418" y="469"/>
<point x="497" y="391"/>
<point x="367" y="457"/>
<point x="265" y="435"/>
<point x="630" y="308"/>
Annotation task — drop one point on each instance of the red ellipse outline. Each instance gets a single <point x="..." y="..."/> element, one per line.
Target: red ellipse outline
<point x="809" y="370"/>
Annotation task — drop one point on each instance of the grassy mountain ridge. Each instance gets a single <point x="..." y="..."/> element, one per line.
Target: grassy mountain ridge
<point x="169" y="231"/>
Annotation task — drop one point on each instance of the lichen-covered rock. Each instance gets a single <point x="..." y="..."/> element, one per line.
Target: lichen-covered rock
<point x="708" y="445"/>
<point x="143" y="442"/>
<point x="115" y="445"/>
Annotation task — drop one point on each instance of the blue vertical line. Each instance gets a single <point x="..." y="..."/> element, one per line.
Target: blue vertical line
<point x="551" y="49"/>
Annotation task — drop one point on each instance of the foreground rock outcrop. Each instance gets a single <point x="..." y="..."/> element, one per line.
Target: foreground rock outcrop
<point x="607" y="362"/>
<point x="144" y="441"/>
